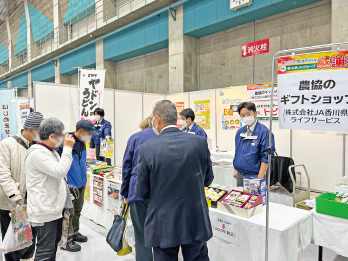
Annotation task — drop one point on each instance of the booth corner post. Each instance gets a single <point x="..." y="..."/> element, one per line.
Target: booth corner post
<point x="269" y="150"/>
<point x="269" y="153"/>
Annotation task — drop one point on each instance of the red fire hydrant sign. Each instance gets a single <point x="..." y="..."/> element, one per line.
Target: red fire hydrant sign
<point x="255" y="48"/>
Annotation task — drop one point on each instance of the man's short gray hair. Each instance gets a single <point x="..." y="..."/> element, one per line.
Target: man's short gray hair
<point x="166" y="110"/>
<point x="50" y="126"/>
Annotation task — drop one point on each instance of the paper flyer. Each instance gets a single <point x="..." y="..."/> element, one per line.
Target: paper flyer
<point x="230" y="117"/>
<point x="103" y="149"/>
<point x="114" y="197"/>
<point x="202" y="112"/>
<point x="88" y="189"/>
<point x="180" y="106"/>
<point x="98" y="191"/>
<point x="109" y="149"/>
<point x="24" y="110"/>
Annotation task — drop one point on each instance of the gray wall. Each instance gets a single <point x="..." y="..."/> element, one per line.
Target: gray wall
<point x="146" y="73"/>
<point x="220" y="62"/>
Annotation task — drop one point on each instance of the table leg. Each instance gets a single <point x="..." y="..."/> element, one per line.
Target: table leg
<point x="320" y="255"/>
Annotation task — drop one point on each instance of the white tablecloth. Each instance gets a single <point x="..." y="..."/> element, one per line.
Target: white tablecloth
<point x="330" y="232"/>
<point x="222" y="155"/>
<point x="224" y="176"/>
<point x="290" y="232"/>
<point x="100" y="215"/>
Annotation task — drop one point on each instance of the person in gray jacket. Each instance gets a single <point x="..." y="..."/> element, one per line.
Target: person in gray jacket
<point x="12" y="176"/>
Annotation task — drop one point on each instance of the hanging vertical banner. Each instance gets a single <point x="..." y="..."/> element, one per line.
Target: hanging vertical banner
<point x="202" y="112"/>
<point x="8" y="125"/>
<point x="230" y="116"/>
<point x="88" y="189"/>
<point x="114" y="198"/>
<point x="91" y="93"/>
<point x="263" y="109"/>
<point x="24" y="110"/>
<point x="263" y="91"/>
<point x="180" y="106"/>
<point x="312" y="91"/>
<point x="98" y="191"/>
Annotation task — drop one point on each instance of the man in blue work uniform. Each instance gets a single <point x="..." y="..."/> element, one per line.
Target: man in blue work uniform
<point x="77" y="177"/>
<point x="103" y="127"/>
<point x="187" y="120"/>
<point x="252" y="141"/>
<point x="138" y="207"/>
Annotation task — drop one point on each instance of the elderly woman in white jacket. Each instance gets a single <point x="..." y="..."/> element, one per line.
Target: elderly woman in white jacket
<point x="46" y="187"/>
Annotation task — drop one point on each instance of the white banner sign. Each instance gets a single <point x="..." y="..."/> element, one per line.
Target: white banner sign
<point x="235" y="4"/>
<point x="315" y="100"/>
<point x="24" y="110"/>
<point x="263" y="91"/>
<point x="91" y="92"/>
<point x="225" y="227"/>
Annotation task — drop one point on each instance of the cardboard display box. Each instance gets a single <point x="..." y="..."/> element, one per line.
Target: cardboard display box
<point x="256" y="208"/>
<point x="326" y="204"/>
<point x="302" y="205"/>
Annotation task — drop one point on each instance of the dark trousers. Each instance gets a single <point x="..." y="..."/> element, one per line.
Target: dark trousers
<point x="75" y="213"/>
<point x="25" y="253"/>
<point x="195" y="251"/>
<point x="97" y="153"/>
<point x="48" y="237"/>
<point x="138" y="214"/>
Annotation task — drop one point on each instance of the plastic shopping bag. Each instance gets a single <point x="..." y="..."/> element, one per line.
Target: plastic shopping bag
<point x="64" y="240"/>
<point x="19" y="234"/>
<point x="129" y="234"/>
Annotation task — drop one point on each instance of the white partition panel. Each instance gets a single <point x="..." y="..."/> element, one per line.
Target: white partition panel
<point x="322" y="154"/>
<point x="128" y="115"/>
<point x="180" y="97"/>
<point x="225" y="138"/>
<point x="58" y="101"/>
<point x="150" y="99"/>
<point x="109" y="108"/>
<point x="206" y="95"/>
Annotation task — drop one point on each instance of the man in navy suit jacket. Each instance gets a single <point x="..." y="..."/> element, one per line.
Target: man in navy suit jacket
<point x="173" y="169"/>
<point x="188" y="121"/>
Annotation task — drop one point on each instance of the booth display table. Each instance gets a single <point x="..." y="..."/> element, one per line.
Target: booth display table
<point x="224" y="176"/>
<point x="222" y="155"/>
<point x="330" y="232"/>
<point x="99" y="214"/>
<point x="290" y="232"/>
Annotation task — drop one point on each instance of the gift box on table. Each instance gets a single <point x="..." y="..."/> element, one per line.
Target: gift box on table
<point x="256" y="206"/>
<point x="213" y="194"/>
<point x="256" y="186"/>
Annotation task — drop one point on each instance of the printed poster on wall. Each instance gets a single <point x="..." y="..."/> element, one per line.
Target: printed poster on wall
<point x="98" y="191"/>
<point x="91" y="93"/>
<point x="180" y="106"/>
<point x="87" y="195"/>
<point x="263" y="91"/>
<point x="114" y="197"/>
<point x="109" y="149"/>
<point x="312" y="91"/>
<point x="8" y="125"/>
<point x="230" y="116"/>
<point x="263" y="109"/>
<point x="24" y="110"/>
<point x="202" y="112"/>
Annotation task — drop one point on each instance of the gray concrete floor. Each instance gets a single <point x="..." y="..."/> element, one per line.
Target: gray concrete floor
<point x="97" y="249"/>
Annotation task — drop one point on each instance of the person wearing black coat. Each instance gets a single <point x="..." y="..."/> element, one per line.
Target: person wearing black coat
<point x="173" y="169"/>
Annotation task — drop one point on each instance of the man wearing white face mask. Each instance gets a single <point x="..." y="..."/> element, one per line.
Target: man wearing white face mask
<point x="12" y="176"/>
<point x="77" y="177"/>
<point x="251" y="143"/>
